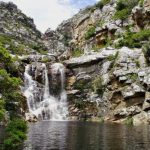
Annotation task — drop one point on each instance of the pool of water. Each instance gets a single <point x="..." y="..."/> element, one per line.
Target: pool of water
<point x="48" y="135"/>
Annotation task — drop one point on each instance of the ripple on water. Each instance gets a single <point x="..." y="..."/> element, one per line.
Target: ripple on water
<point x="51" y="135"/>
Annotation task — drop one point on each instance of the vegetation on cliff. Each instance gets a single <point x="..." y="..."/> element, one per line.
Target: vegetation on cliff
<point x="11" y="98"/>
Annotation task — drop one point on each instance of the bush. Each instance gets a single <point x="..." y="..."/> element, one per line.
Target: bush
<point x="133" y="77"/>
<point x="121" y="4"/>
<point x="8" y="83"/>
<point x="90" y="33"/>
<point x="5" y="57"/>
<point x="16" y="131"/>
<point x="77" y="53"/>
<point x="124" y="4"/>
<point x="134" y="40"/>
<point x="113" y="57"/>
<point x="124" y="8"/>
<point x="129" y="121"/>
<point x="121" y="14"/>
<point x="141" y="3"/>
<point x="11" y="46"/>
<point x="10" y="89"/>
<point x="98" y="86"/>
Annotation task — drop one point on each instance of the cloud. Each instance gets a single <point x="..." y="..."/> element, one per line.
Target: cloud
<point x="50" y="13"/>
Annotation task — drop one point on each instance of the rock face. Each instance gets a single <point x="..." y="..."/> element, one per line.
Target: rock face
<point x="76" y="33"/>
<point x="71" y="33"/>
<point x="17" y="31"/>
<point x="106" y="59"/>
<point x="15" y="23"/>
<point x="114" y="89"/>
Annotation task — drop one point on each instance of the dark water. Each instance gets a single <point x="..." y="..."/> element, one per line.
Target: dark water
<point x="87" y="136"/>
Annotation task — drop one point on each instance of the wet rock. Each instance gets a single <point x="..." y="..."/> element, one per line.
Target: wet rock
<point x="30" y="117"/>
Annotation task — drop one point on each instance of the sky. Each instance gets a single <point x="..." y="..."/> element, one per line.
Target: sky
<point x="50" y="13"/>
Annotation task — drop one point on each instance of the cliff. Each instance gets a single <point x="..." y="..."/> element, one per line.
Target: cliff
<point x="17" y="31"/>
<point x="105" y="49"/>
<point x="109" y="77"/>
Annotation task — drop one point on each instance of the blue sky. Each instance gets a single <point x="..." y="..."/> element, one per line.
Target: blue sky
<point x="50" y="13"/>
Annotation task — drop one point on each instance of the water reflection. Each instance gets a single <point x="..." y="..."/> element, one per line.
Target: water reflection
<point x="86" y="136"/>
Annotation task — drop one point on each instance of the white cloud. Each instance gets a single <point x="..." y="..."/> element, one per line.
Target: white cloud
<point x="46" y="13"/>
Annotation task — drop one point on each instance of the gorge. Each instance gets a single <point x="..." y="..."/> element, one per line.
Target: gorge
<point x="94" y="67"/>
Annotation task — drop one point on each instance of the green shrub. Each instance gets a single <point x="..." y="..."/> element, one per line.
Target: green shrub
<point x="124" y="4"/>
<point x="5" y="39"/>
<point x="66" y="39"/>
<point x="137" y="63"/>
<point x="113" y="57"/>
<point x="5" y="57"/>
<point x="108" y="42"/>
<point x="90" y="33"/>
<point x="121" y="14"/>
<point x="10" y="89"/>
<point x="101" y="23"/>
<point x="77" y="53"/>
<point x="43" y="52"/>
<point x="16" y="131"/>
<point x="97" y="48"/>
<point x="105" y="1"/>
<point x="8" y="83"/>
<point x="45" y="60"/>
<point x="121" y="4"/>
<point x="17" y="124"/>
<point x="124" y="9"/>
<point x="82" y="84"/>
<point x="98" y="86"/>
<point x="133" y="77"/>
<point x="11" y="46"/>
<point x="141" y="3"/>
<point x="129" y="121"/>
<point x="134" y="40"/>
<point x="11" y="100"/>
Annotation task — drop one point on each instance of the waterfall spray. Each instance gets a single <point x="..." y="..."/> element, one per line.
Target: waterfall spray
<point x="42" y="102"/>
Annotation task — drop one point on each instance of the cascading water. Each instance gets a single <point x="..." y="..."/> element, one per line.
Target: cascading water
<point x="46" y="100"/>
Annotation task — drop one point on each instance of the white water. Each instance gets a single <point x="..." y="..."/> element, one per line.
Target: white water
<point x="41" y="103"/>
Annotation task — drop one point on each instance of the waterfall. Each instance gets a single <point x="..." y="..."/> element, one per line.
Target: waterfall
<point x="46" y="100"/>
